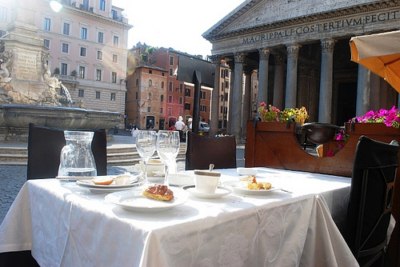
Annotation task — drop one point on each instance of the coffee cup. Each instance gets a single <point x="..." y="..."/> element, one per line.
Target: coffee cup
<point x="206" y="181"/>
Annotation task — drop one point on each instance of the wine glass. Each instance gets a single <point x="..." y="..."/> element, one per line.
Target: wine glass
<point x="146" y="146"/>
<point x="167" y="149"/>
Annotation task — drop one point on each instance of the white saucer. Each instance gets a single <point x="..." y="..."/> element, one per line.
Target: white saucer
<point x="220" y="192"/>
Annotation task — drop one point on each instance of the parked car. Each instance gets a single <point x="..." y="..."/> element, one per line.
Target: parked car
<point x="204" y="127"/>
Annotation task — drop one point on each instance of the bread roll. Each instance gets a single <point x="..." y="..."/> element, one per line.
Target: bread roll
<point x="102" y="180"/>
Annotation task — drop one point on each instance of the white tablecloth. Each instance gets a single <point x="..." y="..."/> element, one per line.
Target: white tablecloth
<point x="65" y="225"/>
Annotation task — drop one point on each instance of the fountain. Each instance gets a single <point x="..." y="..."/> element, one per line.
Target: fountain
<point x="28" y="91"/>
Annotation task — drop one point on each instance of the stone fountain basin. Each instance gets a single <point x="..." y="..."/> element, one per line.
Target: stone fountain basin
<point x="19" y="116"/>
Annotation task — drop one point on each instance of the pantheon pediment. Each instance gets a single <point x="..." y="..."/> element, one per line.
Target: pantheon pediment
<point x="258" y="13"/>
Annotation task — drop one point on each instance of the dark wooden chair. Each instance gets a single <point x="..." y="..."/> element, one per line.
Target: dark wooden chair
<point x="44" y="148"/>
<point x="204" y="150"/>
<point x="371" y="199"/>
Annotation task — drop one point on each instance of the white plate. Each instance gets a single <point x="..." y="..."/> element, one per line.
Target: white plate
<point x="135" y="181"/>
<point x="220" y="192"/>
<point x="246" y="171"/>
<point x="241" y="188"/>
<point x="133" y="200"/>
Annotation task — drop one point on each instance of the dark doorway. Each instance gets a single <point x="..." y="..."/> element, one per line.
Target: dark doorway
<point x="346" y="102"/>
<point x="162" y="124"/>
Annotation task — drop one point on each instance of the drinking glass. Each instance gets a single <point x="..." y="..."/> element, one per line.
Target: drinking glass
<point x="146" y="146"/>
<point x="167" y="149"/>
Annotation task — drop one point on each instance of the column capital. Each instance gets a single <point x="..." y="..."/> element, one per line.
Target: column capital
<point x="327" y="45"/>
<point x="239" y="57"/>
<point x="264" y="53"/>
<point x="293" y="49"/>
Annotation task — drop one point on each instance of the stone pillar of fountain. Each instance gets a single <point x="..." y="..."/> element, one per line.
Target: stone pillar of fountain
<point x="24" y="59"/>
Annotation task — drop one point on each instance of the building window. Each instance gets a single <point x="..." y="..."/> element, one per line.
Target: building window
<point x="187" y="106"/>
<point x="98" y="75"/>
<point x="65" y="48"/>
<point x="187" y="92"/>
<point x="150" y="83"/>
<point x="3" y="14"/>
<point x="113" y="77"/>
<point x="46" y="43"/>
<point x="162" y="85"/>
<point x="161" y="110"/>
<point x="169" y="111"/>
<point x="170" y="86"/>
<point x="84" y="33"/>
<point x="115" y="58"/>
<point x="81" y="93"/>
<point x="137" y="82"/>
<point x="171" y="61"/>
<point x="112" y="97"/>
<point x="100" y="37"/>
<point x="171" y="72"/>
<point x="114" y="14"/>
<point x="47" y="24"/>
<point x="64" y="69"/>
<point x="82" y="72"/>
<point x="161" y="98"/>
<point x="83" y="52"/>
<point x="136" y="95"/>
<point x="102" y="5"/>
<point x="203" y="108"/>
<point x="97" y="94"/>
<point x="150" y="72"/>
<point x="181" y="88"/>
<point x="203" y="95"/>
<point x="116" y="40"/>
<point x="148" y="109"/>
<point x="180" y="100"/>
<point x="99" y="55"/>
<point x="170" y="99"/>
<point x="66" y="28"/>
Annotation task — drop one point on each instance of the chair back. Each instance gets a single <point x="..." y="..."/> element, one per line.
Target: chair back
<point x="44" y="148"/>
<point x="204" y="150"/>
<point x="371" y="198"/>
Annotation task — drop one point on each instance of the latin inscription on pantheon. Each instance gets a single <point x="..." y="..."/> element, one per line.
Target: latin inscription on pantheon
<point x="324" y="27"/>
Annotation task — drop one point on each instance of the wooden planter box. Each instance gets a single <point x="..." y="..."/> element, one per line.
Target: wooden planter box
<point x="275" y="145"/>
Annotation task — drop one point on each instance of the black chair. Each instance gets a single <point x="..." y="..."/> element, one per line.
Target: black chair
<point x="204" y="150"/>
<point x="370" y="203"/>
<point x="44" y="148"/>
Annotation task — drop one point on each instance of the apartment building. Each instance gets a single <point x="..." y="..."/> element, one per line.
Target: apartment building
<point x="87" y="45"/>
<point x="178" y="95"/>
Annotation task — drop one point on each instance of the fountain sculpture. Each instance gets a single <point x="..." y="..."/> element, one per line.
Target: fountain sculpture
<point x="28" y="91"/>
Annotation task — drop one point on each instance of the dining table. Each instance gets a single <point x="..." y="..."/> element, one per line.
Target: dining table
<point x="64" y="223"/>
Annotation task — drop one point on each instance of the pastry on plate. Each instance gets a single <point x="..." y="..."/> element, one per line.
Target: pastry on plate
<point x="159" y="192"/>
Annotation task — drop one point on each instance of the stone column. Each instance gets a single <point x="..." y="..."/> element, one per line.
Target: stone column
<point x="278" y="81"/>
<point x="325" y="91"/>
<point x="246" y="102"/>
<point x="263" y="76"/>
<point x="215" y="96"/>
<point x="291" y="75"/>
<point x="363" y="90"/>
<point x="236" y="96"/>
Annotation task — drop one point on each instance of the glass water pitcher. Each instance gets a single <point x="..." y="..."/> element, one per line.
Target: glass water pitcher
<point x="76" y="157"/>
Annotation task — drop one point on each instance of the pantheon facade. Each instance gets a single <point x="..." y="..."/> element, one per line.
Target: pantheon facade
<point x="300" y="51"/>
